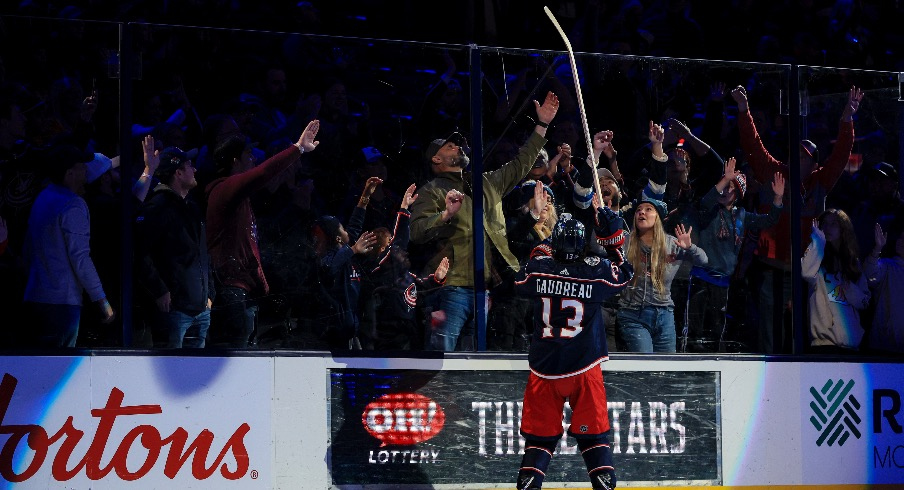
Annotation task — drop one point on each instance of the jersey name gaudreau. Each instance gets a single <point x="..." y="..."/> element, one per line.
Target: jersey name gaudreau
<point x="564" y="288"/>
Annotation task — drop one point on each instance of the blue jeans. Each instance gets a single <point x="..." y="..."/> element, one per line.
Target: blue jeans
<point x="57" y="325"/>
<point x="452" y="307"/>
<point x="772" y="287"/>
<point x="235" y="317"/>
<point x="648" y="329"/>
<point x="178" y="324"/>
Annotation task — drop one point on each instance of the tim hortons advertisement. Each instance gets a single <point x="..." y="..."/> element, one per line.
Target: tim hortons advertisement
<point x="416" y="427"/>
<point x="129" y="422"/>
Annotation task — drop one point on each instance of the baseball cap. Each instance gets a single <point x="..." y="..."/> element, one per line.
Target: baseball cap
<point x="810" y="148"/>
<point x="100" y="165"/>
<point x="605" y="173"/>
<point x="329" y="226"/>
<point x="171" y="159"/>
<point x="526" y="190"/>
<point x="435" y="145"/>
<point x="372" y="154"/>
<point x="886" y="170"/>
<point x="655" y="199"/>
<point x="62" y="157"/>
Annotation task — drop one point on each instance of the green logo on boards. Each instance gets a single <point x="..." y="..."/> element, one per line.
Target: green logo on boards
<point x="835" y="412"/>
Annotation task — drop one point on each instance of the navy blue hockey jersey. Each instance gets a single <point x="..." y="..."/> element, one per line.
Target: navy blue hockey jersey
<point x="569" y="333"/>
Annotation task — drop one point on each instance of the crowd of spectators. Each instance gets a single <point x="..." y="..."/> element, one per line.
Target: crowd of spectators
<point x="279" y="169"/>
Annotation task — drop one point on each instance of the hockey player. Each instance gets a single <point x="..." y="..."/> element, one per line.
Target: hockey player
<point x="566" y="286"/>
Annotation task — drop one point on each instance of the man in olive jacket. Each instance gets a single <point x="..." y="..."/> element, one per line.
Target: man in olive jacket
<point x="443" y="212"/>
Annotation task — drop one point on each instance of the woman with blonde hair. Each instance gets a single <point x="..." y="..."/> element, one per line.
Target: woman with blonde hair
<point x="646" y="317"/>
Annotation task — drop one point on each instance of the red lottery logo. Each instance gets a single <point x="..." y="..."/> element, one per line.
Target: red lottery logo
<point x="403" y="419"/>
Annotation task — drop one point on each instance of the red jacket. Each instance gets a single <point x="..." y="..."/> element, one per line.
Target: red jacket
<point x="775" y="242"/>
<point x="231" y="229"/>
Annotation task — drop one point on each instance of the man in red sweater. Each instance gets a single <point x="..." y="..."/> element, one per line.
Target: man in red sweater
<point x="772" y="284"/>
<point x="232" y="236"/>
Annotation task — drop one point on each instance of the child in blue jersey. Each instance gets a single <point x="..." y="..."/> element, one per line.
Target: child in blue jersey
<point x="392" y="286"/>
<point x="339" y="273"/>
<point x="566" y="287"/>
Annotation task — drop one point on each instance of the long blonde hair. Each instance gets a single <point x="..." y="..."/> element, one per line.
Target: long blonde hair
<point x="658" y="254"/>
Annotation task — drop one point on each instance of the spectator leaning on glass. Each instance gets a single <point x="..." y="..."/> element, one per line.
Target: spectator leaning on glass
<point x="443" y="213"/>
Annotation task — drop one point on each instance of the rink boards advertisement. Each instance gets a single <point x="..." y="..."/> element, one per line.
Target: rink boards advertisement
<point x="319" y="422"/>
<point x="136" y="422"/>
<point x="458" y="427"/>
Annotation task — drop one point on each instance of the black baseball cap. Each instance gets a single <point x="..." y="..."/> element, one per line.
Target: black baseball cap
<point x="884" y="169"/>
<point x="435" y="145"/>
<point x="171" y="159"/>
<point x="62" y="157"/>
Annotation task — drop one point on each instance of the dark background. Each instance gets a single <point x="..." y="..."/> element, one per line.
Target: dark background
<point x="842" y="33"/>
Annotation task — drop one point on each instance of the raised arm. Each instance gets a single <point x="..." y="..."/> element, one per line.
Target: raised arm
<point x="151" y="161"/>
<point x="764" y="165"/>
<point x="681" y="131"/>
<point x="830" y="171"/>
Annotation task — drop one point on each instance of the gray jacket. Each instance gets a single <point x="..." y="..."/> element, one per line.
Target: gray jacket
<point x="641" y="292"/>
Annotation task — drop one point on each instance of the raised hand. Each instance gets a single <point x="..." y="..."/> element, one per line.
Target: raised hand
<point x="365" y="242"/>
<point x="562" y="158"/>
<point x="89" y="107"/>
<point x="540" y="199"/>
<point x="151" y="155"/>
<point x="547" y="111"/>
<point x="370" y="186"/>
<point x="564" y="151"/>
<point x="601" y="140"/>
<point x="683" y="236"/>
<point x="739" y="94"/>
<point x="881" y="240"/>
<point x="717" y="92"/>
<point x="409" y="196"/>
<point x="730" y="168"/>
<point x="595" y="201"/>
<point x="817" y="235"/>
<point x="854" y="98"/>
<point x="656" y="134"/>
<point x="306" y="140"/>
<point x="442" y="269"/>
<point x="778" y="184"/>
